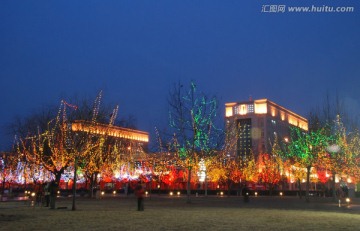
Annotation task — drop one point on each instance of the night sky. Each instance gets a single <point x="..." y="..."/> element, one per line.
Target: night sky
<point x="136" y="50"/>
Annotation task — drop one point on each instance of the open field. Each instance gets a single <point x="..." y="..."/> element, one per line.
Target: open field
<point x="173" y="213"/>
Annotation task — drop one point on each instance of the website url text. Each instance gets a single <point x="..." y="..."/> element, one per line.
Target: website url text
<point x="306" y="9"/>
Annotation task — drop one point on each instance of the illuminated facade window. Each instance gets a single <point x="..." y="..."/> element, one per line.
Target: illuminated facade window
<point x="229" y="111"/>
<point x="260" y="108"/>
<point x="282" y="115"/>
<point x="273" y="111"/>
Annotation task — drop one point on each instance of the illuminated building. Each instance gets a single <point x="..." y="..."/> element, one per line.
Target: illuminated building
<point x="110" y="130"/>
<point x="255" y="123"/>
<point x="134" y="137"/>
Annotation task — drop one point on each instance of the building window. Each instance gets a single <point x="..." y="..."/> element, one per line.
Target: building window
<point x="250" y="108"/>
<point x="237" y="110"/>
<point x="244" y="109"/>
<point x="244" y="143"/>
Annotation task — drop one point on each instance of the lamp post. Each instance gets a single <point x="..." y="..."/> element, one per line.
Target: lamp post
<point x="333" y="150"/>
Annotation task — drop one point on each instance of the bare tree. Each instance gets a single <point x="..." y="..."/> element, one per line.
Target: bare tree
<point x="192" y="118"/>
<point x="46" y="138"/>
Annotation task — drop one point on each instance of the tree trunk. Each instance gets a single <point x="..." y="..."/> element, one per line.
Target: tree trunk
<point x="229" y="185"/>
<point x="188" y="187"/>
<point x="3" y="188"/>
<point x="300" y="191"/>
<point x="93" y="184"/>
<point x="57" y="177"/>
<point x="73" y="208"/>
<point x="86" y="183"/>
<point x="308" y="168"/>
<point x="56" y="185"/>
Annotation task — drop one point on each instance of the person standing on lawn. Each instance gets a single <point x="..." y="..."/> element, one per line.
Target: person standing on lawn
<point x="139" y="193"/>
<point x="53" y="191"/>
<point x="47" y="194"/>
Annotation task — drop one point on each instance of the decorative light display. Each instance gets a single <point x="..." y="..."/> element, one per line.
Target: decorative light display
<point x="50" y="153"/>
<point x="202" y="171"/>
<point x="113" y="157"/>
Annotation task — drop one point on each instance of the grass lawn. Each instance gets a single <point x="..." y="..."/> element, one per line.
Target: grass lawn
<point x="173" y="213"/>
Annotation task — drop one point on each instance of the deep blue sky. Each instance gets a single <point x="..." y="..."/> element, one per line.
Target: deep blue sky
<point x="135" y="50"/>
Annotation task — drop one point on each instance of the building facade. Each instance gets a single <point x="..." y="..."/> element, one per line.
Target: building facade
<point x="253" y="125"/>
<point x="136" y="141"/>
